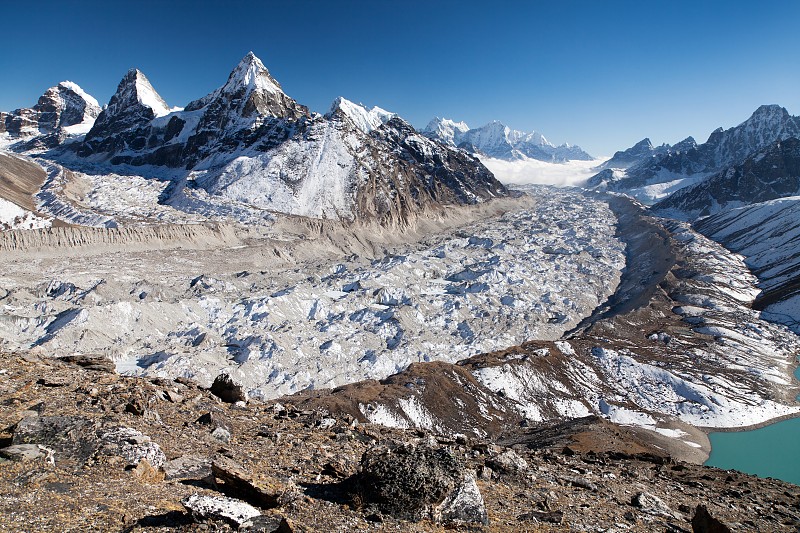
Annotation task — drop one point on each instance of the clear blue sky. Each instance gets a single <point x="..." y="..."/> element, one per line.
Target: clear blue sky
<point x="601" y="74"/>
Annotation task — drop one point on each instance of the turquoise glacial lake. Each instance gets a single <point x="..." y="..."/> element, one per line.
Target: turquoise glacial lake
<point x="771" y="451"/>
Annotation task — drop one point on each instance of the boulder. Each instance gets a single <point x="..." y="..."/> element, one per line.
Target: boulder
<point x="187" y="467"/>
<point x="703" y="522"/>
<point x="228" y="390"/>
<point x="267" y="493"/>
<point x="233" y="511"/>
<point x="71" y="438"/>
<point x="651" y="504"/>
<point x="23" y="452"/>
<point x="131" y="445"/>
<point x="508" y="462"/>
<point x="417" y="481"/>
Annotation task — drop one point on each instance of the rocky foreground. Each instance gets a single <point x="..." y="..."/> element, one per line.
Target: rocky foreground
<point x="89" y="450"/>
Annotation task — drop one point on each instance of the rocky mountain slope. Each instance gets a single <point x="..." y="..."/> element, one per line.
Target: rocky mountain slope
<point x="499" y="141"/>
<point x="687" y="163"/>
<point x="767" y="235"/>
<point x="61" y="111"/>
<point x="773" y="172"/>
<point x="85" y="448"/>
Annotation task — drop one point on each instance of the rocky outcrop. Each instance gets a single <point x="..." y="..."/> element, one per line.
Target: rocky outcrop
<point x="416" y="481"/>
<point x="299" y="470"/>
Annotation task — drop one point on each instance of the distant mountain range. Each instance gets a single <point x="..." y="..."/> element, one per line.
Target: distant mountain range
<point x="770" y="173"/>
<point x="499" y="141"/>
<point x="653" y="173"/>
<point x="251" y="143"/>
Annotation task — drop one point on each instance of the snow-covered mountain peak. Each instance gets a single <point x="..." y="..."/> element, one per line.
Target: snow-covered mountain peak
<point x="250" y="93"/>
<point x="63" y="110"/>
<point x="687" y="144"/>
<point x="439" y="123"/>
<point x="88" y="98"/>
<point x="769" y="112"/>
<point x="497" y="140"/>
<point x="365" y="119"/>
<point x="134" y="103"/>
<point x="135" y="85"/>
<point x="448" y="131"/>
<point x="252" y="75"/>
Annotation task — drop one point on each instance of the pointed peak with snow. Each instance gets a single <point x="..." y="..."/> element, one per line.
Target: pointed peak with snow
<point x="134" y="103"/>
<point x="364" y="118"/>
<point x="249" y="94"/>
<point x="252" y="75"/>
<point x="136" y="89"/>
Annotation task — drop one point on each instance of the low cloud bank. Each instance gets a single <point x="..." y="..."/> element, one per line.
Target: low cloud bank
<point x="571" y="173"/>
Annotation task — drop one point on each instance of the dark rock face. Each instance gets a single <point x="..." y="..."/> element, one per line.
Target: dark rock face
<point x="59" y="107"/>
<point x="769" y="174"/>
<point x="417" y="481"/>
<point x="122" y="125"/>
<point x="425" y="172"/>
<point x="703" y="522"/>
<point x="227" y="390"/>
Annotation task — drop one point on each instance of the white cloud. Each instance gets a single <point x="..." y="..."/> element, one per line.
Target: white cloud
<point x="571" y="173"/>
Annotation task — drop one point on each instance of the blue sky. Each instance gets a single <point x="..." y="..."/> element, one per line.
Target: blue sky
<point x="601" y="74"/>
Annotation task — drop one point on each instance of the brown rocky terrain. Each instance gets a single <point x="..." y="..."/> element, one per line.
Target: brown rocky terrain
<point x="112" y="453"/>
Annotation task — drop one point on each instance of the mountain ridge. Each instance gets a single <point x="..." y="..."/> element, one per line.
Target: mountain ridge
<point x="687" y="163"/>
<point x="250" y="143"/>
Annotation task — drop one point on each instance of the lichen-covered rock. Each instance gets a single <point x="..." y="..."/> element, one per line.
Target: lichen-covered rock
<point x="508" y="462"/>
<point x="131" y="445"/>
<point x="71" y="438"/>
<point x="187" y="467"/>
<point x="463" y="505"/>
<point x="650" y="504"/>
<point x="23" y="452"/>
